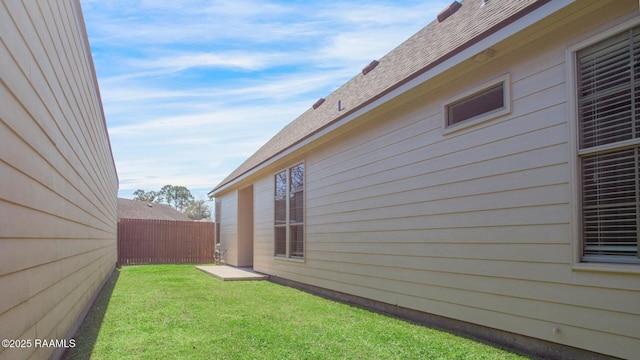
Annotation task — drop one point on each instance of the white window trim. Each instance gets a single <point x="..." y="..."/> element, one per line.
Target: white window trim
<point x="287" y="257"/>
<point x="575" y="179"/>
<point x="504" y="79"/>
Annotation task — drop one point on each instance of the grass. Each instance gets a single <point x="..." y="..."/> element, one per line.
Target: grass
<point x="176" y="311"/>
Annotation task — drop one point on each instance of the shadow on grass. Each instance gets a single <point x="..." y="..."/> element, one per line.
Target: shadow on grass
<point x="88" y="332"/>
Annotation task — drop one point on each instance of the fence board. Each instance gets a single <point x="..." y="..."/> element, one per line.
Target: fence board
<point x="142" y="241"/>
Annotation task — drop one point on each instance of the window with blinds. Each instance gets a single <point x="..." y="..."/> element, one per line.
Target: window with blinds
<point x="289" y="213"/>
<point x="609" y="143"/>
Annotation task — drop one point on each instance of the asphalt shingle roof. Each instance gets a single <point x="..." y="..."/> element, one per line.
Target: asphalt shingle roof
<point x="134" y="209"/>
<point x="430" y="46"/>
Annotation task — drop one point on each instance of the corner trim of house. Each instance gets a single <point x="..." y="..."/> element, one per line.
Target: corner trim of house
<point x="513" y="342"/>
<point x="60" y="352"/>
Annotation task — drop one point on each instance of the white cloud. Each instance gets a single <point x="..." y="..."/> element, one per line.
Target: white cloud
<point x="177" y="62"/>
<point x="195" y="151"/>
<point x="192" y="88"/>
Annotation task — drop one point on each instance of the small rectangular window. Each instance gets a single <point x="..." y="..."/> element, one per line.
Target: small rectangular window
<point x="477" y="105"/>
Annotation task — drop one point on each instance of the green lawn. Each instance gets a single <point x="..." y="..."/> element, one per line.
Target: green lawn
<point x="179" y="312"/>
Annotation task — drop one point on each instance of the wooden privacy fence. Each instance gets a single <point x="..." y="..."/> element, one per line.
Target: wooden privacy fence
<point x="165" y="242"/>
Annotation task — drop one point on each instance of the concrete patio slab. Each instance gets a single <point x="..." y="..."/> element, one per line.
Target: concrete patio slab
<point x="230" y="273"/>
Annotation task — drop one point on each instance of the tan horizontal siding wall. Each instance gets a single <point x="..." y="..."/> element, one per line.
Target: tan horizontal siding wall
<point x="245" y="227"/>
<point x="229" y="227"/>
<point x="473" y="225"/>
<point x="59" y="184"/>
<point x="263" y="225"/>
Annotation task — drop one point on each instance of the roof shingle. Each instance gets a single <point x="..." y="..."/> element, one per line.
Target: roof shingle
<point x="134" y="209"/>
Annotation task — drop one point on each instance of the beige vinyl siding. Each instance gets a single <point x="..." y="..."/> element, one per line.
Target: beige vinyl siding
<point x="229" y="227"/>
<point x="474" y="225"/>
<point x="59" y="185"/>
<point x="236" y="231"/>
<point x="245" y="227"/>
<point x="263" y="220"/>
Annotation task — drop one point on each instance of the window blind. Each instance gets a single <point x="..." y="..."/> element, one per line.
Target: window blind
<point x="609" y="108"/>
<point x="608" y="90"/>
<point x="610" y="204"/>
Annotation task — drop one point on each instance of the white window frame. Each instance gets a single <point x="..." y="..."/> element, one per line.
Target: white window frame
<point x="577" y="261"/>
<point x="288" y="224"/>
<point x="505" y="110"/>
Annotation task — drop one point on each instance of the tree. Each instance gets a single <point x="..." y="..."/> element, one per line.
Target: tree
<point x="197" y="210"/>
<point x="163" y="193"/>
<point x="178" y="197"/>
<point x="141" y="195"/>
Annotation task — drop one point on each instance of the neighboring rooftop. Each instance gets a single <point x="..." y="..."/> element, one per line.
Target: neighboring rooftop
<point x="134" y="209"/>
<point x="436" y="42"/>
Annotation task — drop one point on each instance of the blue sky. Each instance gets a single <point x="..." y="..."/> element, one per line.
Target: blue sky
<point x="191" y="89"/>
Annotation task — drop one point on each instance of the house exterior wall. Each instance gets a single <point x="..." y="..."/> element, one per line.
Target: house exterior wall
<point x="58" y="214"/>
<point x="245" y="227"/>
<point x="236" y="229"/>
<point x="263" y="225"/>
<point x="475" y="224"/>
<point x="229" y="227"/>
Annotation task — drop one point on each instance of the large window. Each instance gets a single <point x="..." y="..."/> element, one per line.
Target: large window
<point x="608" y="80"/>
<point x="289" y="213"/>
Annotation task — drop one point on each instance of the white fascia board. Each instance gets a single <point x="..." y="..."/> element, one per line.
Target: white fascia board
<point x="500" y="35"/>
